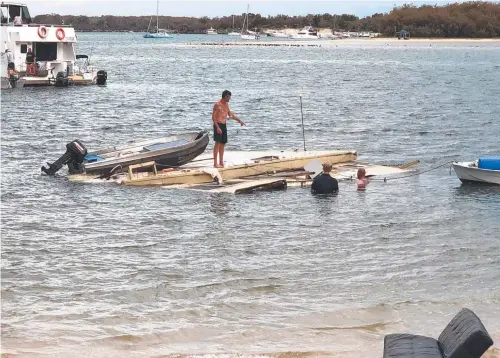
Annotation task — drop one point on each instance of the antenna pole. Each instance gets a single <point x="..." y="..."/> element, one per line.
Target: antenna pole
<point x="302" y="115"/>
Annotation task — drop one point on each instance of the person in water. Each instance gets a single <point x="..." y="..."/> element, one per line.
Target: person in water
<point x="11" y="71"/>
<point x="362" y="179"/>
<point x="324" y="183"/>
<point x="219" y="117"/>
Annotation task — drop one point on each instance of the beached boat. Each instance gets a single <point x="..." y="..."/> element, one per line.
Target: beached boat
<point x="483" y="170"/>
<point x="40" y="54"/>
<point x="166" y="152"/>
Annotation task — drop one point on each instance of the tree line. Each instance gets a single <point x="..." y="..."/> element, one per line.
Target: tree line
<point x="476" y="19"/>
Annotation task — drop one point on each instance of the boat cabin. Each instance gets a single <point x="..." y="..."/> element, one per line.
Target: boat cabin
<point x="15" y="13"/>
<point x="403" y="35"/>
<point x="308" y="30"/>
<point x="38" y="52"/>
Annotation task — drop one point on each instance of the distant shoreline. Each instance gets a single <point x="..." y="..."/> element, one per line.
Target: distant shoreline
<point x="441" y="39"/>
<point x="360" y="39"/>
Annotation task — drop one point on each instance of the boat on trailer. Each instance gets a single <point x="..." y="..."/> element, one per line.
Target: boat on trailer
<point x="483" y="170"/>
<point x="39" y="54"/>
<point x="166" y="152"/>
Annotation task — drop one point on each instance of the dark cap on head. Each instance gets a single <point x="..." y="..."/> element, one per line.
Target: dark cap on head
<point x="226" y="93"/>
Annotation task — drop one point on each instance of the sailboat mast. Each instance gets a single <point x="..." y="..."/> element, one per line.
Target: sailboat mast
<point x="157" y="9"/>
<point x="248" y="8"/>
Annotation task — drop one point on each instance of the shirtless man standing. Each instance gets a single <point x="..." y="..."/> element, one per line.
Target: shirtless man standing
<point x="219" y="116"/>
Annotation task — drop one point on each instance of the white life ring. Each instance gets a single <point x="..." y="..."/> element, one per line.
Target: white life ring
<point x="60" y="34"/>
<point x="42" y="32"/>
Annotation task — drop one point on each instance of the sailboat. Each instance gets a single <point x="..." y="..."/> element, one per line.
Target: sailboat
<point x="233" y="33"/>
<point x="245" y="33"/>
<point x="158" y="34"/>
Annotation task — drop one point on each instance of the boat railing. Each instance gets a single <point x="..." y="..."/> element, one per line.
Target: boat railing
<point x="35" y="25"/>
<point x="39" y="68"/>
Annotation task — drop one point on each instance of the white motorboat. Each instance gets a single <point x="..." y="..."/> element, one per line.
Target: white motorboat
<point x="307" y="33"/>
<point x="211" y="31"/>
<point x="39" y="54"/>
<point x="483" y="170"/>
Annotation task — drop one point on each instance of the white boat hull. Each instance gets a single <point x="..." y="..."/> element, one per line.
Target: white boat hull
<point x="304" y="37"/>
<point x="468" y="173"/>
<point x="249" y="37"/>
<point x="279" y="34"/>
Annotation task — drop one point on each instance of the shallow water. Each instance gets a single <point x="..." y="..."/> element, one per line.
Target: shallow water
<point x="105" y="271"/>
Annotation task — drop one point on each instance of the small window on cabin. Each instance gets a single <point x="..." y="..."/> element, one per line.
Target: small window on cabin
<point x="14" y="10"/>
<point x="26" y="15"/>
<point x="5" y="15"/>
<point x="24" y="48"/>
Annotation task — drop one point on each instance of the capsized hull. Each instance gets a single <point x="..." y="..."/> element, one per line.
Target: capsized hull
<point x="468" y="173"/>
<point x="172" y="152"/>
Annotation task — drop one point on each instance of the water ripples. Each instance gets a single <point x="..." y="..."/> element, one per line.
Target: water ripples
<point x="110" y="271"/>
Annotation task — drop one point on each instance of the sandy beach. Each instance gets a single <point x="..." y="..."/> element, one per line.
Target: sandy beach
<point x="392" y="39"/>
<point x="365" y="42"/>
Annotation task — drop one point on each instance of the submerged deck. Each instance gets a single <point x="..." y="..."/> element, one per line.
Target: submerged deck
<point x="246" y="172"/>
<point x="238" y="165"/>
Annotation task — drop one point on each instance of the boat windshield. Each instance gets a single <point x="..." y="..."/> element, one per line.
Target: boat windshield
<point x="16" y="14"/>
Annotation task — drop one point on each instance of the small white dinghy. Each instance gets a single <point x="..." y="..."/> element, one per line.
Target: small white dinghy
<point x="483" y="170"/>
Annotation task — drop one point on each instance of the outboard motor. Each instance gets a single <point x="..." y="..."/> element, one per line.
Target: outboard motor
<point x="62" y="79"/>
<point x="75" y="153"/>
<point x="102" y="76"/>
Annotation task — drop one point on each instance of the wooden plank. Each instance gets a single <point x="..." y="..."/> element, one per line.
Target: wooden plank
<point x="240" y="171"/>
<point x="239" y="186"/>
<point x="141" y="165"/>
<point x="409" y="164"/>
<point x="252" y="186"/>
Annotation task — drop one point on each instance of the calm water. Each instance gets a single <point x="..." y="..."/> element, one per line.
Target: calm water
<point x="109" y="271"/>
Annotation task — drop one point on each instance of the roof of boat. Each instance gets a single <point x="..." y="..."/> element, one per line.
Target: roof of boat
<point x="12" y="3"/>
